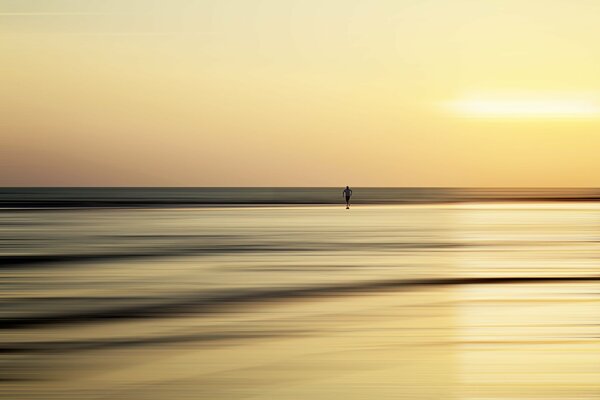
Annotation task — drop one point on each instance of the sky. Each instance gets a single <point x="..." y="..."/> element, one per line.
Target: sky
<point x="464" y="93"/>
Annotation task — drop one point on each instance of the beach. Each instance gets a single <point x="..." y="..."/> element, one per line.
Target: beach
<point x="422" y="300"/>
<point x="300" y="200"/>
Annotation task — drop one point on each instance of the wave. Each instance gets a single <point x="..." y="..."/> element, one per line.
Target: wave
<point x="33" y="260"/>
<point x="97" y="344"/>
<point x="199" y="304"/>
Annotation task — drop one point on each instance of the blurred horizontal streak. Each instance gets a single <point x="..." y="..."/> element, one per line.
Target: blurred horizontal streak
<point x="196" y="305"/>
<point x="28" y="260"/>
<point x="82" y="345"/>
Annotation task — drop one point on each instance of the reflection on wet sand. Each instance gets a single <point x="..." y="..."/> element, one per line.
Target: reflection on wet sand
<point x="419" y="302"/>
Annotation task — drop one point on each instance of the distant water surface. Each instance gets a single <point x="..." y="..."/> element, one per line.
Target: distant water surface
<point x="171" y="197"/>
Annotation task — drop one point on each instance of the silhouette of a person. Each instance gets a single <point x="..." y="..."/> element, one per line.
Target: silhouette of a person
<point x="347" y="193"/>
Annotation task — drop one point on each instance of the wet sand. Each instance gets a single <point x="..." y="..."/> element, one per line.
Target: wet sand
<point x="464" y="301"/>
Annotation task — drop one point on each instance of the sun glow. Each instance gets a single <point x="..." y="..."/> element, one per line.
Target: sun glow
<point x="526" y="107"/>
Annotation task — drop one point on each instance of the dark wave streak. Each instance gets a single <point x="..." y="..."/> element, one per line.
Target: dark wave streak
<point x="82" y="345"/>
<point x="41" y="259"/>
<point x="201" y="304"/>
<point x="7" y="261"/>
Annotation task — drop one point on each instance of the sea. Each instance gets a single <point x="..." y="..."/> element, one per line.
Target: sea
<point x="283" y="293"/>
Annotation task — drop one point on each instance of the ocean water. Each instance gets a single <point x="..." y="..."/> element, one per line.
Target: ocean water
<point x="249" y="196"/>
<point x="284" y="294"/>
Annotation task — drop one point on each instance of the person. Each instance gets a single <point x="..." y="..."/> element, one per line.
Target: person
<point x="347" y="193"/>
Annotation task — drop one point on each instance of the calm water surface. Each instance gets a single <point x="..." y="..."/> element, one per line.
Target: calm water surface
<point x="417" y="301"/>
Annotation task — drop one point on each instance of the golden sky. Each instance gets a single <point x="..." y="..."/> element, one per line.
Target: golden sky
<point x="299" y="93"/>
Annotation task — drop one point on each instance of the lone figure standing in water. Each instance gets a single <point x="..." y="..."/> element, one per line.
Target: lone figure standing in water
<point x="347" y="194"/>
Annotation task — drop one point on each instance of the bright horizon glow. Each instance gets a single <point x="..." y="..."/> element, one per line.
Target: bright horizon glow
<point x="541" y="108"/>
